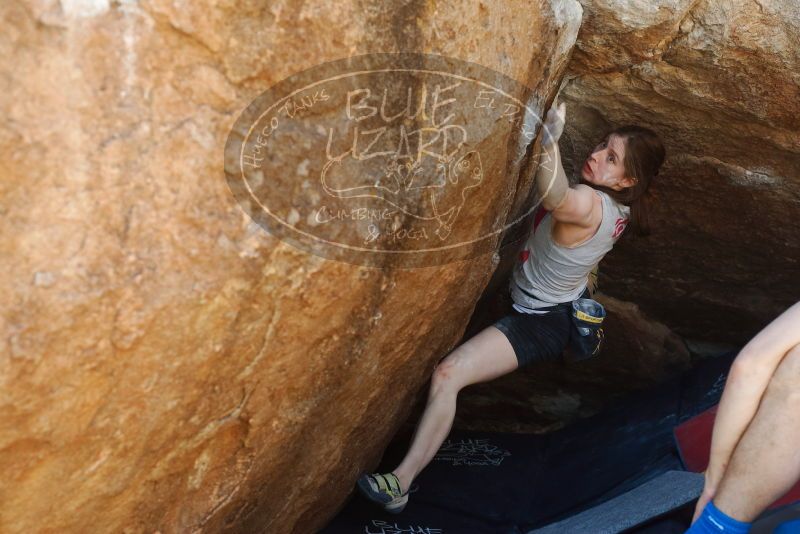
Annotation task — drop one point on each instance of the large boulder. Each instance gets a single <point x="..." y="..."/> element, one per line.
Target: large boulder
<point x="168" y="365"/>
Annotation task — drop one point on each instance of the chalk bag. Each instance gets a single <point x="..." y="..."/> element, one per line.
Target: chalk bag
<point x="586" y="334"/>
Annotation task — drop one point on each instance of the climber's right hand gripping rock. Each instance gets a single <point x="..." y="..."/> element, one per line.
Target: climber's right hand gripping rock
<point x="551" y="181"/>
<point x="554" y="124"/>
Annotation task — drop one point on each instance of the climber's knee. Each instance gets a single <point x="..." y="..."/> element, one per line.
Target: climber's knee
<point x="448" y="375"/>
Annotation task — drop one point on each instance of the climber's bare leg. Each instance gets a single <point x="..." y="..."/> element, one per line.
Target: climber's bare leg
<point x="766" y="462"/>
<point x="485" y="356"/>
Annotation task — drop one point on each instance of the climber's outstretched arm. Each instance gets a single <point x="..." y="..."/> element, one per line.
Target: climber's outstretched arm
<point x="574" y="205"/>
<point x="551" y="181"/>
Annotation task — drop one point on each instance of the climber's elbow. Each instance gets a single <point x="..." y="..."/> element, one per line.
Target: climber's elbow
<point x="553" y="191"/>
<point x="553" y="202"/>
<point x="577" y="206"/>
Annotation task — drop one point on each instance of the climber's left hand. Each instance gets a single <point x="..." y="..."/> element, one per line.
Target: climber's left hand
<point x="554" y="124"/>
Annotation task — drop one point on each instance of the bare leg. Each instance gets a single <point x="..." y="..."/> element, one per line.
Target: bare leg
<point x="483" y="357"/>
<point x="766" y="462"/>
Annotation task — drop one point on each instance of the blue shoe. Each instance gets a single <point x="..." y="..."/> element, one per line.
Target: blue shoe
<point x="383" y="490"/>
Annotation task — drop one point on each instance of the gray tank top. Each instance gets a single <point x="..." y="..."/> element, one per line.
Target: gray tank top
<point x="547" y="273"/>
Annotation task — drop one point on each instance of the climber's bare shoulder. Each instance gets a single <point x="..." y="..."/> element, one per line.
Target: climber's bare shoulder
<point x="580" y="206"/>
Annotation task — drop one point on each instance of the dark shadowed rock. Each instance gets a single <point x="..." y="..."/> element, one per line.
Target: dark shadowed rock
<point x="719" y="82"/>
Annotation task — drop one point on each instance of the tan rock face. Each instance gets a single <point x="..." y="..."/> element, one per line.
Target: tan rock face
<point x="168" y="365"/>
<point x="719" y="82"/>
<point x="617" y="34"/>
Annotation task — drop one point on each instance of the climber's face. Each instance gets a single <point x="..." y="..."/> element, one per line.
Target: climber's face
<point x="605" y="167"/>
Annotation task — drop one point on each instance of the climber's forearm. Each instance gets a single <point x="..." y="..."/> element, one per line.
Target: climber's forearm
<point x="551" y="181"/>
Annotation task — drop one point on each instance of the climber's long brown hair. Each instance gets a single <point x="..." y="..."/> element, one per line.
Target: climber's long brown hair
<point x="644" y="154"/>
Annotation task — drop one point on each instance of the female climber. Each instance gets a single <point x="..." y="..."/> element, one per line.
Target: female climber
<point x="582" y="224"/>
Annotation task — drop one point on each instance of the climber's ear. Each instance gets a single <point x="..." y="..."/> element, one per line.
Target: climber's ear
<point x="628" y="181"/>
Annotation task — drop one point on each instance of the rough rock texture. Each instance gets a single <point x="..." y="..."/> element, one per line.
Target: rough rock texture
<point x="720" y="81"/>
<point x="167" y="365"/>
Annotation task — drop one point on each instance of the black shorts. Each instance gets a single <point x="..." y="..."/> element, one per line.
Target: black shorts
<point x="537" y="337"/>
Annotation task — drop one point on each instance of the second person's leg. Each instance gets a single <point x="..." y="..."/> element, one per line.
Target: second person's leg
<point x="766" y="461"/>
